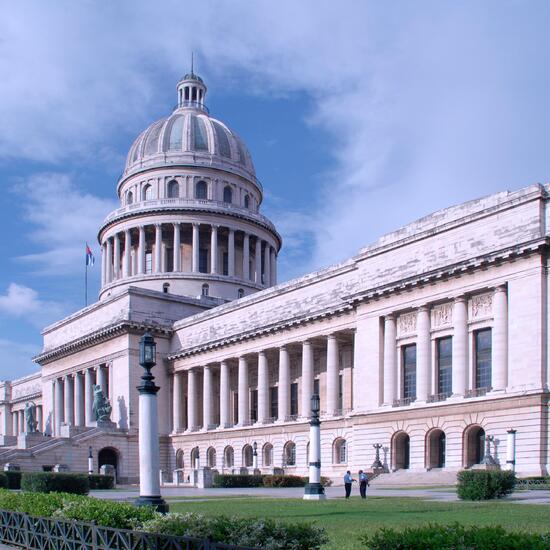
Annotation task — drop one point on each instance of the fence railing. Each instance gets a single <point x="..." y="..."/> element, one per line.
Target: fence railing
<point x="39" y="533"/>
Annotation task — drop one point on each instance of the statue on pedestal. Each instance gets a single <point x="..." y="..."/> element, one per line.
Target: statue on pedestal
<point x="101" y="406"/>
<point x="30" y="417"/>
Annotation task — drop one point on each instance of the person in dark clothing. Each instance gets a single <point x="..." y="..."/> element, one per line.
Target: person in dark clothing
<point x="348" y="480"/>
<point x="363" y="483"/>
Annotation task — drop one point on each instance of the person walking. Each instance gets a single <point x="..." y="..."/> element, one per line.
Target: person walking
<point x="348" y="480"/>
<point x="363" y="483"/>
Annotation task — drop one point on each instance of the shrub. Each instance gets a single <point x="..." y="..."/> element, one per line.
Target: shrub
<point x="48" y="482"/>
<point x="14" y="479"/>
<point x="284" y="481"/>
<point x="37" y="504"/>
<point x="484" y="484"/>
<point x="3" y="480"/>
<point x="325" y="481"/>
<point x="455" y="537"/>
<point x="101" y="482"/>
<point x="252" y="532"/>
<point x="237" y="480"/>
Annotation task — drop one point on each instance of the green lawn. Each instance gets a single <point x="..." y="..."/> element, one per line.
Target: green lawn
<point x="344" y="520"/>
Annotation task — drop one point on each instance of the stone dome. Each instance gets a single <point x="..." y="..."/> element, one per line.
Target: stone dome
<point x="190" y="137"/>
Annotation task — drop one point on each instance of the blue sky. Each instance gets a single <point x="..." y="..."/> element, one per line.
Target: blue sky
<point x="360" y="117"/>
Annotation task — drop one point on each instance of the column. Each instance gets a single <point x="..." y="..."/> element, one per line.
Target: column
<point x="116" y="257"/>
<point x="460" y="347"/>
<point x="89" y="399"/>
<point x="103" y="265"/>
<point x="263" y="388"/>
<point x="333" y="374"/>
<point x="246" y="257"/>
<point x="390" y="360"/>
<point x="22" y="427"/>
<point x="273" y="265"/>
<point x="214" y="249"/>
<point x="158" y="248"/>
<point x="177" y="248"/>
<point x="15" y="423"/>
<point x="196" y="244"/>
<point x="267" y="270"/>
<point x="176" y="408"/>
<point x="231" y="253"/>
<point x="191" y="399"/>
<point x="69" y="400"/>
<point x="126" y="259"/>
<point x="307" y="378"/>
<point x="141" y="250"/>
<point x="258" y="261"/>
<point x="244" y="410"/>
<point x="79" y="399"/>
<point x="109" y="270"/>
<point x="58" y="406"/>
<point x="284" y="384"/>
<point x="224" y="394"/>
<point x="500" y="339"/>
<point x="39" y="418"/>
<point x="206" y="397"/>
<point x="423" y="354"/>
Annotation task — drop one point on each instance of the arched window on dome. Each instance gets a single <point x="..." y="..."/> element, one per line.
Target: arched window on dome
<point x="201" y="190"/>
<point x="173" y="189"/>
<point x="246" y="201"/>
<point x="227" y="194"/>
<point x="129" y="197"/>
<point x="205" y="290"/>
<point x="147" y="193"/>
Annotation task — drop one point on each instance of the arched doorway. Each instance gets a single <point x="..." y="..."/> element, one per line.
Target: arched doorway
<point x="179" y="459"/>
<point x="195" y="458"/>
<point x="436" y="442"/>
<point x="108" y="455"/>
<point x="474" y="445"/>
<point x="401" y="451"/>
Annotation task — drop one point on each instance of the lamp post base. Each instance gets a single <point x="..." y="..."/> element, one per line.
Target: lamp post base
<point x="314" y="491"/>
<point x="158" y="503"/>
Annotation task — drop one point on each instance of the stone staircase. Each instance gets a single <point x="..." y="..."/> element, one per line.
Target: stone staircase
<point x="415" y="477"/>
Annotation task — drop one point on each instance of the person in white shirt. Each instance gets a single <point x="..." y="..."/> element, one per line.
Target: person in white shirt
<point x="363" y="483"/>
<point x="348" y="480"/>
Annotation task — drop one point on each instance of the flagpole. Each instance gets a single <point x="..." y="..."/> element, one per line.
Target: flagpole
<point x="86" y="284"/>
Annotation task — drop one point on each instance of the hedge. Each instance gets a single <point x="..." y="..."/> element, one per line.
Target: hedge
<point x="14" y="479"/>
<point x="484" y="484"/>
<point x="454" y="537"/>
<point x="48" y="482"/>
<point x="3" y="480"/>
<point x="97" y="481"/>
<point x="237" y="480"/>
<point x="278" y="480"/>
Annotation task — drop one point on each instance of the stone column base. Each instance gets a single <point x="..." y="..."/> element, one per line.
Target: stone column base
<point x="24" y="441"/>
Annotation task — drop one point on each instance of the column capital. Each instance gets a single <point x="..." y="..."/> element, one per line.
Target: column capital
<point x="158" y="225"/>
<point x="215" y="226"/>
<point x="262" y="353"/>
<point x="460" y="299"/>
<point x="389" y="317"/>
<point x="176" y="224"/>
<point x="195" y="224"/>
<point x="127" y="231"/>
<point x="424" y="308"/>
<point x="331" y="336"/>
<point x="283" y="347"/>
<point x="500" y="288"/>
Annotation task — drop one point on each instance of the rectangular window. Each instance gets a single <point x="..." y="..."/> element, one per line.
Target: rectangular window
<point x="254" y="405"/>
<point x="409" y="372"/>
<point x="235" y="408"/>
<point x="148" y="262"/>
<point x="293" y="399"/>
<point x="274" y="401"/>
<point x="445" y="365"/>
<point x="169" y="259"/>
<point x="203" y="260"/>
<point x="225" y="263"/>
<point x="340" y="392"/>
<point x="316" y="386"/>
<point x="482" y="344"/>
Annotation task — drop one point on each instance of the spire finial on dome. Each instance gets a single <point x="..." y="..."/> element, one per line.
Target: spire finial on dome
<point x="191" y="90"/>
<point x="192" y="55"/>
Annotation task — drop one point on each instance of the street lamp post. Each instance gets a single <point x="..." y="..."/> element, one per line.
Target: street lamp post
<point x="314" y="490"/>
<point x="149" y="454"/>
<point x="90" y="461"/>
<point x="255" y="456"/>
<point x="511" y="449"/>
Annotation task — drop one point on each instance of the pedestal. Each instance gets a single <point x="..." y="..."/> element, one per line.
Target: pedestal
<point x="25" y="441"/>
<point x="8" y="440"/>
<point x="204" y="478"/>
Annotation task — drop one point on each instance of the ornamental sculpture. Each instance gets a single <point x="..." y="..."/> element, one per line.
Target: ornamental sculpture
<point x="101" y="407"/>
<point x="30" y="417"/>
<point x="406" y="323"/>
<point x="442" y="315"/>
<point x="481" y="305"/>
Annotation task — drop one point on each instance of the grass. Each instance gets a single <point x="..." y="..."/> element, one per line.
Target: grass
<point x="344" y="520"/>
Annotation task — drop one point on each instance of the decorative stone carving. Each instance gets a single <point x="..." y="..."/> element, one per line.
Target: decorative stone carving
<point x="30" y="417"/>
<point x="481" y="306"/>
<point x="101" y="407"/>
<point x="406" y="323"/>
<point x="442" y="315"/>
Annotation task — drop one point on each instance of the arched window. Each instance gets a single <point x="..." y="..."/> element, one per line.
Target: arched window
<point x="129" y="198"/>
<point x="165" y="288"/>
<point x="179" y="459"/>
<point x="401" y="451"/>
<point x="227" y="194"/>
<point x="240" y="293"/>
<point x="247" y="456"/>
<point x="474" y="445"/>
<point x="201" y="190"/>
<point x="211" y="457"/>
<point x="229" y="457"/>
<point x="246" y="201"/>
<point x="267" y="455"/>
<point x="289" y="454"/>
<point x="173" y="189"/>
<point x="205" y="289"/>
<point x="195" y="458"/>
<point x="147" y="193"/>
<point x="340" y="451"/>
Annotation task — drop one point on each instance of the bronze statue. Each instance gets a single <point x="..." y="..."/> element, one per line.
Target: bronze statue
<point x="101" y="407"/>
<point x="30" y="417"/>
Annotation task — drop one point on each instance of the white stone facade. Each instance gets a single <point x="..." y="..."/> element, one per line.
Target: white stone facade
<point x="426" y="341"/>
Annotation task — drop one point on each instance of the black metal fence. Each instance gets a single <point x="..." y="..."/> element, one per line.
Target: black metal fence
<point x="38" y="533"/>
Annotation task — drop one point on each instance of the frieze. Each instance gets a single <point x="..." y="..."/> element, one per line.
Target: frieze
<point x="406" y="323"/>
<point x="442" y="315"/>
<point x="481" y="306"/>
<point x="26" y="390"/>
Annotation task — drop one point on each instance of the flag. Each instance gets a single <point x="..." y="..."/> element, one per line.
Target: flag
<point x="89" y="256"/>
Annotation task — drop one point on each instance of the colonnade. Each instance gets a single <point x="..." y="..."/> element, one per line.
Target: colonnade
<point x="19" y="425"/>
<point x="463" y="359"/>
<point x="124" y="253"/>
<point x="188" y="417"/>
<point x="74" y="397"/>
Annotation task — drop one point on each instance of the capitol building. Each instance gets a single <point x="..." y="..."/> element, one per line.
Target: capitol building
<point x="426" y="342"/>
